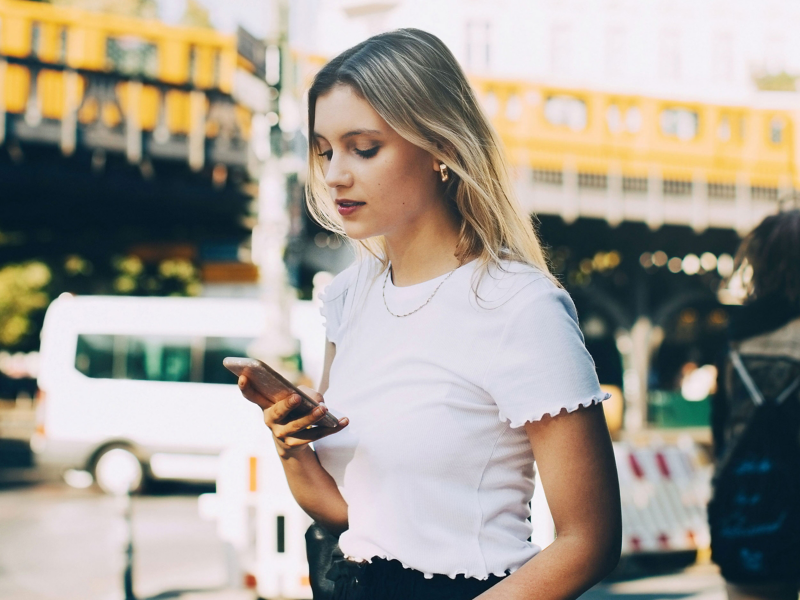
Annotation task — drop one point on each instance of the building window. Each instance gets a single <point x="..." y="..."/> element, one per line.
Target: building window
<point x="548" y="177"/>
<point x="595" y="181"/>
<point x="566" y="111"/>
<point x="679" y="123"/>
<point x="758" y="192"/>
<point x="634" y="185"/>
<point x="722" y="191"/>
<point x="677" y="187"/>
<point x="478" y="45"/>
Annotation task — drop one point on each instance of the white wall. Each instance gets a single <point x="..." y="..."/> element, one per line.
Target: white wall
<point x="694" y="49"/>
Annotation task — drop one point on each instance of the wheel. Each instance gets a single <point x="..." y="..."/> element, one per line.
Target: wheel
<point x="117" y="469"/>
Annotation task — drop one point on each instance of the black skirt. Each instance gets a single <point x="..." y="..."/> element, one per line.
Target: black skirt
<point x="388" y="580"/>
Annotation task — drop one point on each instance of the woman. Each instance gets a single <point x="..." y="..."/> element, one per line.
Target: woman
<point x="756" y="420"/>
<point x="450" y="347"/>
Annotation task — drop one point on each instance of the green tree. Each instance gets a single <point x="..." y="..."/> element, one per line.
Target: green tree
<point x="23" y="292"/>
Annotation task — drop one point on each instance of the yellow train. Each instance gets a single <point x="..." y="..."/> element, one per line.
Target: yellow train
<point x="161" y="74"/>
<point x="549" y="129"/>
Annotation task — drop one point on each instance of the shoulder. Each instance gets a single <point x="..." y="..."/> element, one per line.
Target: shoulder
<point x="515" y="285"/>
<point x="357" y="275"/>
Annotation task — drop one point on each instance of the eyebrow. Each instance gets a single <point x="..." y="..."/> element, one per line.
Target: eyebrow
<point x="352" y="133"/>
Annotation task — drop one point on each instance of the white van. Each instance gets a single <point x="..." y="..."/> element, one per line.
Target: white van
<point x="138" y="383"/>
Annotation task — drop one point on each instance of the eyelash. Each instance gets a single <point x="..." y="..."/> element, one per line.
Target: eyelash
<point x="369" y="153"/>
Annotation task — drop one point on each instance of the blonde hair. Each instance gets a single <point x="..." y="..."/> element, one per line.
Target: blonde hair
<point x="415" y="84"/>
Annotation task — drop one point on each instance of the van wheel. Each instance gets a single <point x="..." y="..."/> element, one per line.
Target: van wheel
<point x="116" y="469"/>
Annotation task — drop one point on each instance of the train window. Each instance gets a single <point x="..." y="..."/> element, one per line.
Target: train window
<point x="218" y="348"/>
<point x="513" y="108"/>
<point x="490" y="104"/>
<point x="62" y="45"/>
<point x="566" y="111"/>
<point x="776" y="130"/>
<point x="132" y="56"/>
<point x="679" y="123"/>
<point x="36" y="38"/>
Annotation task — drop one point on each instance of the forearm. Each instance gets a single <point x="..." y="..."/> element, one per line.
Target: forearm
<point x="314" y="489"/>
<point x="565" y="569"/>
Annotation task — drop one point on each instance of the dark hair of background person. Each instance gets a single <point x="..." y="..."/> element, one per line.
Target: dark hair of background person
<point x="772" y="249"/>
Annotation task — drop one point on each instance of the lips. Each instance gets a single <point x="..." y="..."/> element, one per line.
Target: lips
<point x="348" y="203"/>
<point x="348" y="207"/>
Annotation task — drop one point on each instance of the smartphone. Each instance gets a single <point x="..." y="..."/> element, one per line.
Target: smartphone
<point x="273" y="386"/>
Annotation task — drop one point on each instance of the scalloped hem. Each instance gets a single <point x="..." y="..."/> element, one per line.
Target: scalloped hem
<point x="467" y="574"/>
<point x="538" y="417"/>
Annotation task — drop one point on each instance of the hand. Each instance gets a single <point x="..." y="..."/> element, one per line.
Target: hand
<point x="292" y="433"/>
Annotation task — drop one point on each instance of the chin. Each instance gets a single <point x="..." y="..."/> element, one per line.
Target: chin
<point x="358" y="232"/>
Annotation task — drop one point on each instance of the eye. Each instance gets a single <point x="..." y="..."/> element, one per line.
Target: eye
<point x="326" y="155"/>
<point x="369" y="153"/>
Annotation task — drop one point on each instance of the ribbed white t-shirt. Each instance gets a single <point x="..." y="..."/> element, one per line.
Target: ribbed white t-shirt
<point x="435" y="466"/>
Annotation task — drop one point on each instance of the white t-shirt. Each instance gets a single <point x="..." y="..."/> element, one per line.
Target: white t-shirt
<point x="435" y="466"/>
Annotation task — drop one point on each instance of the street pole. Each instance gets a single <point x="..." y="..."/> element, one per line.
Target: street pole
<point x="128" y="573"/>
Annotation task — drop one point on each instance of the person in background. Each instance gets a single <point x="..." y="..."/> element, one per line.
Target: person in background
<point x="754" y="513"/>
<point x="451" y="349"/>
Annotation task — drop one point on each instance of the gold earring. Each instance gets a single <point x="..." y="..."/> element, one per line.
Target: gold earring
<point x="443" y="170"/>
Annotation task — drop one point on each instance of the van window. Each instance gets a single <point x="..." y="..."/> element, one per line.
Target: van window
<point x="218" y="348"/>
<point x="159" y="359"/>
<point x="95" y="355"/>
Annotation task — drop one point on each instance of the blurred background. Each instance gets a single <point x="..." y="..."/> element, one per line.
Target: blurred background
<point x="152" y="221"/>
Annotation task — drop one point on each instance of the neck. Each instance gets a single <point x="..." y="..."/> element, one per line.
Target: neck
<point x="424" y="252"/>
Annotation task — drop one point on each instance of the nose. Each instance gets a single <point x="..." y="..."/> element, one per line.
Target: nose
<point x="337" y="174"/>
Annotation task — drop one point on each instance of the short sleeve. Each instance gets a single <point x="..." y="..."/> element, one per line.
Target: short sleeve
<point x="541" y="365"/>
<point x="333" y="302"/>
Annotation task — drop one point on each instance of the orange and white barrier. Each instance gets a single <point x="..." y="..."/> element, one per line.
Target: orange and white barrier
<point x="260" y="521"/>
<point x="664" y="491"/>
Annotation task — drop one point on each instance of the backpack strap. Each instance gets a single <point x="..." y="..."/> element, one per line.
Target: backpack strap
<point x="752" y="389"/>
<point x="758" y="400"/>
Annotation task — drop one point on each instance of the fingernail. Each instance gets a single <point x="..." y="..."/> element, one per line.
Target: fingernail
<point x="293" y="400"/>
<point x="344" y="421"/>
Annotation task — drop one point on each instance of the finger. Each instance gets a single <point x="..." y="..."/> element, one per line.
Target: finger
<point x="311" y="435"/>
<point x="280" y="411"/>
<point x="300" y="423"/>
<point x="249" y="392"/>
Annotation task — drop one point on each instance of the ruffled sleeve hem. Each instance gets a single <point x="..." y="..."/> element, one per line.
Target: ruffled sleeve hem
<point x="539" y="415"/>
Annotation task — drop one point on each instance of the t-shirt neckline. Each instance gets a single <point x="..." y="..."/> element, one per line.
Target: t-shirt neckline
<point x="422" y="284"/>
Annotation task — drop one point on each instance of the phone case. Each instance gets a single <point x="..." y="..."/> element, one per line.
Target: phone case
<point x="274" y="386"/>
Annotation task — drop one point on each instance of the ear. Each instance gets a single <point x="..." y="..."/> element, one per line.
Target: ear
<point x="437" y="164"/>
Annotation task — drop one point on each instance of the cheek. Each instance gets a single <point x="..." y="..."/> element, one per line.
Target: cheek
<point x="398" y="184"/>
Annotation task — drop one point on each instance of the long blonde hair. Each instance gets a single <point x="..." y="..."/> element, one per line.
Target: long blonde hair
<point x="415" y="84"/>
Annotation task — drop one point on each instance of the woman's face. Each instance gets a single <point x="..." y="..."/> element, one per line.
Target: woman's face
<point x="381" y="183"/>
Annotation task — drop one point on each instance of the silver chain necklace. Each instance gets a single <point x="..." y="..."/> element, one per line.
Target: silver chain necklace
<point x="385" y="279"/>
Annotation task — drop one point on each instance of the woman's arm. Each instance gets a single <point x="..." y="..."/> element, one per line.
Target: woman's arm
<point x="311" y="485"/>
<point x="576" y="463"/>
